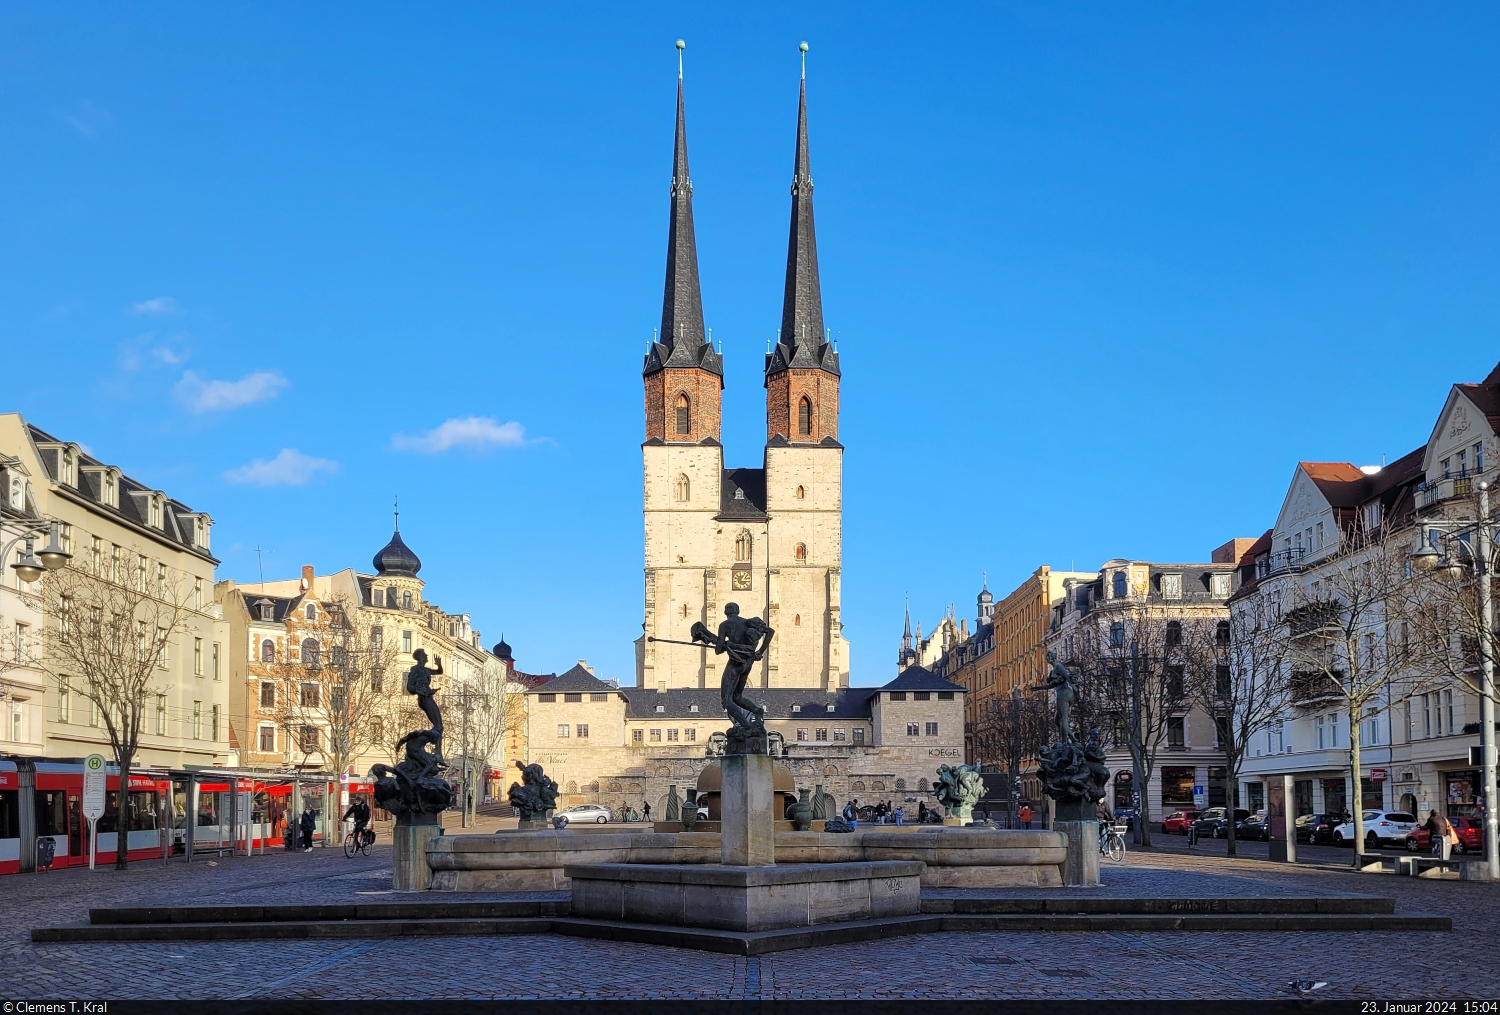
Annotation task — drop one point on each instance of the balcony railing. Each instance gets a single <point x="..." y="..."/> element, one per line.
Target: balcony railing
<point x="1281" y="562"/>
<point x="1310" y="686"/>
<point x="1459" y="483"/>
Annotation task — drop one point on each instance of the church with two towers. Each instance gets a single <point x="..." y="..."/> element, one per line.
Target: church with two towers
<point x="766" y="538"/>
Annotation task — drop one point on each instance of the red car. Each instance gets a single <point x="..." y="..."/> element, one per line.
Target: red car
<point x="1470" y="836"/>
<point x="1179" y="822"/>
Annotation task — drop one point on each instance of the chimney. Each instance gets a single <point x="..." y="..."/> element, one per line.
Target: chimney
<point x="585" y="664"/>
<point x="307" y="576"/>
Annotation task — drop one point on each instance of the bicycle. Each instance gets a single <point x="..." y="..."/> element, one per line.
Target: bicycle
<point x="362" y="845"/>
<point x="1111" y="842"/>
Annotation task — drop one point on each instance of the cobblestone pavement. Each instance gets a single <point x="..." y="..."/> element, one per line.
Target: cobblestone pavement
<point x="1388" y="965"/>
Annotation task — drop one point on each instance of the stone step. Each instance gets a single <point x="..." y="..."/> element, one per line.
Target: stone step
<point x="1012" y="905"/>
<point x="735" y="942"/>
<point x="499" y="908"/>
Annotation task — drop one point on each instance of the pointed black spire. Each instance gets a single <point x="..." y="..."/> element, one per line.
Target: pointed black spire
<point x="802" y="341"/>
<point x="682" y="342"/>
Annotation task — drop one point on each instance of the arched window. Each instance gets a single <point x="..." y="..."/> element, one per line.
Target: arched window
<point x="312" y="612"/>
<point x="684" y="415"/>
<point x="337" y="656"/>
<point x="309" y="652"/>
<point x="1221" y="632"/>
<point x="1174" y="633"/>
<point x="801" y="493"/>
<point x="797" y="620"/>
<point x="684" y="611"/>
<point x="742" y="548"/>
<point x="804" y="417"/>
<point x="1120" y="589"/>
<point x="268" y="651"/>
<point x="406" y="600"/>
<point x="801" y="552"/>
<point x="683" y="490"/>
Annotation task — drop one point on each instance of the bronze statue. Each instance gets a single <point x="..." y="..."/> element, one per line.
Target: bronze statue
<point x="1063" y="683"/>
<point x="413" y="789"/>
<point x="534" y="795"/>
<point x="958" y="789"/>
<point x="745" y="641"/>
<point x="419" y="682"/>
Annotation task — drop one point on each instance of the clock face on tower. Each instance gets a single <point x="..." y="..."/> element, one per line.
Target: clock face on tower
<point x="742" y="579"/>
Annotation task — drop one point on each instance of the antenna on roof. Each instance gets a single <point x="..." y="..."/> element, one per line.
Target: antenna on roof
<point x="261" y="565"/>
<point x="398" y="512"/>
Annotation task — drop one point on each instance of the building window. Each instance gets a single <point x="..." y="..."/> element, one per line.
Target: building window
<point x="547" y="698"/>
<point x="391" y="598"/>
<point x="804" y="417"/>
<point x="562" y="731"/>
<point x="161" y="715"/>
<point x="801" y="493"/>
<point x="214" y="719"/>
<point x="573" y="697"/>
<point x="64" y="693"/>
<point x="268" y="651"/>
<point x="690" y="734"/>
<point x="742" y="548"/>
<point x="931" y="729"/>
<point x="268" y="739"/>
<point x="821" y="733"/>
<point x="312" y="612"/>
<point x="682" y="490"/>
<point x="197" y="720"/>
<point x="377" y="638"/>
<point x="583" y="730"/>
<point x="406" y="599"/>
<point x="1448" y="707"/>
<point x="637" y="736"/>
<point x="310" y="653"/>
<point x="656" y="736"/>
<point x="267" y="694"/>
<point x="801" y="551"/>
<point x="913" y="729"/>
<point x="377" y="681"/>
<point x="898" y="696"/>
<point x="802" y="734"/>
<point x="1117" y="635"/>
<point x="684" y="415"/>
<point x="406" y="642"/>
<point x="1174" y="633"/>
<point x="838" y="735"/>
<point x="859" y="736"/>
<point x="948" y="695"/>
<point x="309" y="740"/>
<point x="1120" y="587"/>
<point x="197" y="657"/>
<point x="921" y="696"/>
<point x="1177" y="731"/>
<point x="215" y="662"/>
<point x="671" y="735"/>
<point x="311" y="695"/>
<point x="1171" y="586"/>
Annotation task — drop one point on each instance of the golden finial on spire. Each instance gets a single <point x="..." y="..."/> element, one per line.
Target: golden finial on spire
<point x="681" y="45"/>
<point x="803" y="47"/>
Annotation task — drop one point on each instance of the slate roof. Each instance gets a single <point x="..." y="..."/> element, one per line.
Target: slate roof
<point x="134" y="497"/>
<point x="848" y="703"/>
<point x="802" y="337"/>
<point x="281" y="606"/>
<point x="919" y="678"/>
<point x="396" y="558"/>
<point x="575" y="680"/>
<point x="742" y="495"/>
<point x="1486" y="396"/>
<point x="681" y="342"/>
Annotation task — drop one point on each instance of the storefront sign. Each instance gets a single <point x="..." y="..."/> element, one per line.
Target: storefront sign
<point x="943" y="752"/>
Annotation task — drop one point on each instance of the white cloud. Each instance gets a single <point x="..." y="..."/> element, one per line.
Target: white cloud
<point x="158" y="307"/>
<point x="289" y="468"/>
<point x="199" y="395"/>
<point x="473" y="433"/>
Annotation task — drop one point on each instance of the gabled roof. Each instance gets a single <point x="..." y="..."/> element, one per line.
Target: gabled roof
<point x="742" y="495"/>
<point x="847" y="702"/>
<point x="576" y="680"/>
<point x="1486" y="397"/>
<point x="919" y="678"/>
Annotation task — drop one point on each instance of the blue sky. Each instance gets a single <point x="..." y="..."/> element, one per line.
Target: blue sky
<point x="1100" y="276"/>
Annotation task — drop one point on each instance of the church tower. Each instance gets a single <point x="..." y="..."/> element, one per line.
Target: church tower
<point x="682" y="457"/>
<point x="804" y="460"/>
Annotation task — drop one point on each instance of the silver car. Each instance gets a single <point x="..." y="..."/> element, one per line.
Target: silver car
<point x="595" y="813"/>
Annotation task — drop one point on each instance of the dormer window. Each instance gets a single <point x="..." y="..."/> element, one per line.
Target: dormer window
<point x="154" y="512"/>
<point x="69" y="471"/>
<point x="406" y="600"/>
<point x="1171" y="586"/>
<point x="661" y="708"/>
<point x="796" y="708"/>
<point x="693" y="707"/>
<point x="830" y="708"/>
<point x="110" y="494"/>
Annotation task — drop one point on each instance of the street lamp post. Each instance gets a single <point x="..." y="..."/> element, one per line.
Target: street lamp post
<point x="34" y="563"/>
<point x="1482" y="567"/>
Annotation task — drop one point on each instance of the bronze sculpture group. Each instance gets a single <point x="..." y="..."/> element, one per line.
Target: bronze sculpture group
<point x="744" y="640"/>
<point x="414" y="789"/>
<point x="1073" y="774"/>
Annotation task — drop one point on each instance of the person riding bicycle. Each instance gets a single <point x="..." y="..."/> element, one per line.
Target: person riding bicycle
<point x="360" y="812"/>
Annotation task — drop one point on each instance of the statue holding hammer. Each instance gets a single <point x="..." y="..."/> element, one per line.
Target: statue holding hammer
<point x="744" y="640"/>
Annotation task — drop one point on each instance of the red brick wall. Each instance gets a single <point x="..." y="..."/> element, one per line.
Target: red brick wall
<point x="787" y="389"/>
<point x="705" y="394"/>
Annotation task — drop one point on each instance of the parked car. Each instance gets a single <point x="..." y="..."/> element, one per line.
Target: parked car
<point x="1470" y="836"/>
<point x="1179" y="822"/>
<point x="1214" y="824"/>
<point x="596" y="813"/>
<point x="1381" y="828"/>
<point x="1256" y="827"/>
<point x="1316" y="828"/>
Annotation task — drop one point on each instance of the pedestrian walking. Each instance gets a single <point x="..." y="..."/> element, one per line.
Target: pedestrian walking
<point x="1025" y="815"/>
<point x="922" y="812"/>
<point x="308" y="824"/>
<point x="900" y="813"/>
<point x="645" y="811"/>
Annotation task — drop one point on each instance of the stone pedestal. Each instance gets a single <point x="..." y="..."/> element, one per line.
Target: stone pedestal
<point x="409" y="870"/>
<point x="1081" y="868"/>
<point x="747" y="825"/>
<point x="746" y="899"/>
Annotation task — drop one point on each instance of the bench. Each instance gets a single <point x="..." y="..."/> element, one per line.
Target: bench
<point x="1427" y="866"/>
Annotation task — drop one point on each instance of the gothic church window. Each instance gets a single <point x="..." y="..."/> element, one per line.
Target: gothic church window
<point x="742" y="548"/>
<point x="682" y="490"/>
<point x="801" y="552"/>
<point x="684" y="415"/>
<point x="804" y="417"/>
<point x="800" y="493"/>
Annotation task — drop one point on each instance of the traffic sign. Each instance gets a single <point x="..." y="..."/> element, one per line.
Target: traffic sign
<point x="1377" y="775"/>
<point x="1200" y="795"/>
<point x="93" y="799"/>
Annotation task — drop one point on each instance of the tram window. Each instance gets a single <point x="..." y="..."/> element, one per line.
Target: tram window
<point x="209" y="807"/>
<point x="109" y="821"/>
<point x="10" y="814"/>
<point x="142" y="815"/>
<point x="51" y="812"/>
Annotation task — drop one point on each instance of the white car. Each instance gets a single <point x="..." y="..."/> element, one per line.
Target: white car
<point x="596" y="813"/>
<point x="1381" y="827"/>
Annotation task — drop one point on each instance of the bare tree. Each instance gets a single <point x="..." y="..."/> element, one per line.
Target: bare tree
<point x="335" y="701"/>
<point x="1012" y="732"/>
<point x="1341" y="619"/>
<point x="108" y="641"/>
<point x="1244" y="688"/>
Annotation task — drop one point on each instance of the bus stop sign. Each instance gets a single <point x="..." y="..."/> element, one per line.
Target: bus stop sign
<point x="93" y="786"/>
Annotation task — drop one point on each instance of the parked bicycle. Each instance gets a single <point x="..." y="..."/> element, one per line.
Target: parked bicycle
<point x="1112" y="842"/>
<point x="359" y="842"/>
